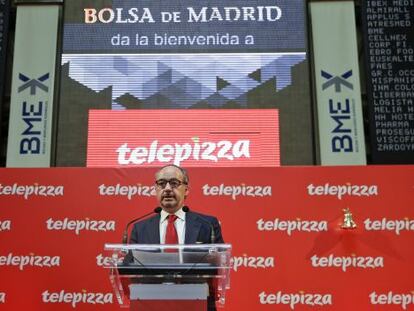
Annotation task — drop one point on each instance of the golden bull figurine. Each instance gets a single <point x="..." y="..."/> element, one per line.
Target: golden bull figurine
<point x="349" y="222"/>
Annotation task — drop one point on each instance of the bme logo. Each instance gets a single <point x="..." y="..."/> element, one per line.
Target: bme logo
<point x="33" y="114"/>
<point x="337" y="81"/>
<point x="33" y="83"/>
<point x="340" y="111"/>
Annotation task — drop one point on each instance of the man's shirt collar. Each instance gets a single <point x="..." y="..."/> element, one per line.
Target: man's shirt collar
<point x="180" y="214"/>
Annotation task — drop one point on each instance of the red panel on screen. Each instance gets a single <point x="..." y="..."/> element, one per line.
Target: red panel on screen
<point x="247" y="138"/>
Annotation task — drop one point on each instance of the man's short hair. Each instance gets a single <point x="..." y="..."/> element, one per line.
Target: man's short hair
<point x="182" y="170"/>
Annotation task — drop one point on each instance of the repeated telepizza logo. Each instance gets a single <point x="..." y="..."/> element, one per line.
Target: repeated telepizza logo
<point x="345" y="263"/>
<point x="5" y="225"/>
<point x="194" y="149"/>
<point x="75" y="298"/>
<point x="31" y="260"/>
<point x="392" y="225"/>
<point x="290" y="226"/>
<point x="340" y="191"/>
<point x="105" y="261"/>
<point x="404" y="300"/>
<point x="78" y="225"/>
<point x="127" y="191"/>
<point x="27" y="191"/>
<point x="2" y="297"/>
<point x="294" y="300"/>
<point x="246" y="261"/>
<point x="234" y="191"/>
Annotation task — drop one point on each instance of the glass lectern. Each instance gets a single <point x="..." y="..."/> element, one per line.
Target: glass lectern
<point x="182" y="277"/>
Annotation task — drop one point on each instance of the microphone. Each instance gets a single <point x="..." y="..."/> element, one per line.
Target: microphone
<point x="156" y="210"/>
<point x="186" y="209"/>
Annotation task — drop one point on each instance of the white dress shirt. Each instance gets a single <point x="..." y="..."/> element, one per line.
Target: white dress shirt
<point x="179" y="225"/>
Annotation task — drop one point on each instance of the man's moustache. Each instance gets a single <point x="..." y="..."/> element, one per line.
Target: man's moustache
<point x="168" y="196"/>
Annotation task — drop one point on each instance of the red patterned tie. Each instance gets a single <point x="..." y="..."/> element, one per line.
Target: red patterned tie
<point x="171" y="236"/>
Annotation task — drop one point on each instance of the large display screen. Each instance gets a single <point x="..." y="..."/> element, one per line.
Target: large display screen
<point x="190" y="54"/>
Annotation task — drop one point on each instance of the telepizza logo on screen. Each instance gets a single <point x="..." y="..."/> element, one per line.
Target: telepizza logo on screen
<point x="190" y="138"/>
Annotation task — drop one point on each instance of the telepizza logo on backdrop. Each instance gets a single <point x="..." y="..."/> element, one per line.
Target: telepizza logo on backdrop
<point x="295" y="299"/>
<point x="252" y="262"/>
<point x="2" y="297"/>
<point x="74" y="298"/>
<point x="389" y="225"/>
<point x="104" y="261"/>
<point x="235" y="191"/>
<point x="5" y="225"/>
<point x="341" y="191"/>
<point x="127" y="190"/>
<point x="392" y="299"/>
<point x="344" y="263"/>
<point x="290" y="226"/>
<point x="27" y="191"/>
<point x="80" y="225"/>
<point x="30" y="260"/>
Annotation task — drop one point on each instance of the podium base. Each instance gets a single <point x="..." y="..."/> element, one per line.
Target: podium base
<point x="168" y="297"/>
<point x="168" y="305"/>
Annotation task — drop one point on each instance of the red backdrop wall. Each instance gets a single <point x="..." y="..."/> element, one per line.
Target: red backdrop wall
<point x="284" y="223"/>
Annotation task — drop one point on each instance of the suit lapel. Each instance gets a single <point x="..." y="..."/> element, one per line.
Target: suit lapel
<point x="153" y="231"/>
<point x="192" y="228"/>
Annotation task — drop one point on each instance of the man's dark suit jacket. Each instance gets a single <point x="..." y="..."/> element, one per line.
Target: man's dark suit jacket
<point x="196" y="230"/>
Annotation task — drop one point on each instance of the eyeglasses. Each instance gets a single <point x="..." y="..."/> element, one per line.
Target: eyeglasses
<point x="174" y="183"/>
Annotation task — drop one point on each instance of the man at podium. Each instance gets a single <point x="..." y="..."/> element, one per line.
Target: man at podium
<point x="175" y="223"/>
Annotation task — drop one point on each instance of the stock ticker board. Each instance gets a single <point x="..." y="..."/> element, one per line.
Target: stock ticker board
<point x="389" y="41"/>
